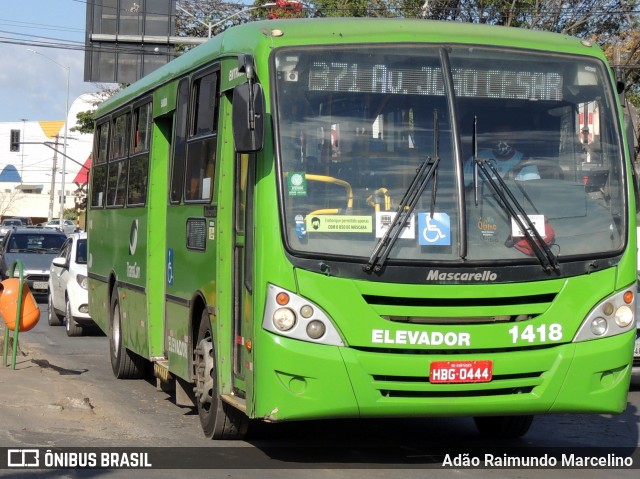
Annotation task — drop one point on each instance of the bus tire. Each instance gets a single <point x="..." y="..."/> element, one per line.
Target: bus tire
<point x="503" y="427"/>
<point x="218" y="419"/>
<point x="124" y="363"/>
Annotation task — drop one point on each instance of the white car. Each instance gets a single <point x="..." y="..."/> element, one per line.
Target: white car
<point x="68" y="295"/>
<point x="68" y="226"/>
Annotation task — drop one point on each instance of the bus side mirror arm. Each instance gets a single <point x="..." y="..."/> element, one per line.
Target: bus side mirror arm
<point x="248" y="110"/>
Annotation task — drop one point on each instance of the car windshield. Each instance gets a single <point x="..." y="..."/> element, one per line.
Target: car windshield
<point x="35" y="243"/>
<point x="355" y="124"/>
<point x="12" y="223"/>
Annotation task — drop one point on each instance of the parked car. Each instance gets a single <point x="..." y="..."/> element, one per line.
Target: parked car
<point x="68" y="295"/>
<point x="25" y="220"/>
<point x="8" y="224"/>
<point x="36" y="248"/>
<point x="67" y="228"/>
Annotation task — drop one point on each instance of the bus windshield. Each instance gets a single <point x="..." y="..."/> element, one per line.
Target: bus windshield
<point x="355" y="124"/>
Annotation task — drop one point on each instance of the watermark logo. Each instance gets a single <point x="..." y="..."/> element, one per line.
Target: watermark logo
<point x="23" y="458"/>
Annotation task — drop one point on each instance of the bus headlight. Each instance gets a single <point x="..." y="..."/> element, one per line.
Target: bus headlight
<point x="624" y="316"/>
<point x="613" y="315"/>
<point x="295" y="317"/>
<point x="316" y="329"/>
<point x="284" y="319"/>
<point x="599" y="326"/>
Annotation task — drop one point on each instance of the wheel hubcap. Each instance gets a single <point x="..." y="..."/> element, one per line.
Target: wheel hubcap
<point x="204" y="372"/>
<point x="115" y="330"/>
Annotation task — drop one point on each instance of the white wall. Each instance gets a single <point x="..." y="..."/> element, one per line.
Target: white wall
<point x="34" y="161"/>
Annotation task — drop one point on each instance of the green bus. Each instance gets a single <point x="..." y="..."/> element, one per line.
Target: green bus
<point x="355" y="218"/>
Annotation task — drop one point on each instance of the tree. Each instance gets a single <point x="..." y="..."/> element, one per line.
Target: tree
<point x="9" y="200"/>
<point x="85" y="120"/>
<point x="194" y="16"/>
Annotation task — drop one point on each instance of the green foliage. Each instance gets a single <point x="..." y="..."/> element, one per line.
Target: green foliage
<point x="85" y="122"/>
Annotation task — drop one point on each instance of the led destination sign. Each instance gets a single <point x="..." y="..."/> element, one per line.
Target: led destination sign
<point x="427" y="80"/>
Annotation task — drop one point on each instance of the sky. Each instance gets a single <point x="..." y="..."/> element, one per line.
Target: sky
<point x="33" y="85"/>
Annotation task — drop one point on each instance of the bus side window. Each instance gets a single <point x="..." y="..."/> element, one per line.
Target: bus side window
<point x="118" y="162"/>
<point x="180" y="143"/>
<point x="139" y="161"/>
<point x="201" y="145"/>
<point x="99" y="169"/>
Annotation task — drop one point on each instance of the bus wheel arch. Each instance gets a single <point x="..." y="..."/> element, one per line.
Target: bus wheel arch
<point x="218" y="419"/>
<point x="124" y="363"/>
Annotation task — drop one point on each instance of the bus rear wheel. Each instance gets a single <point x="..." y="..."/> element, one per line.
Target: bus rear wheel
<point x="218" y="419"/>
<point x="503" y="427"/>
<point x="124" y="363"/>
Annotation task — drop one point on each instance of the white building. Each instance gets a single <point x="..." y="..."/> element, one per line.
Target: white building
<point x="32" y="164"/>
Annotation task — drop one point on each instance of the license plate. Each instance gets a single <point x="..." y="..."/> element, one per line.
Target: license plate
<point x="636" y="350"/>
<point x="40" y="285"/>
<point x="460" y="372"/>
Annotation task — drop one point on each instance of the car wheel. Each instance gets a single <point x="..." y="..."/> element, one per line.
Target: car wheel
<point x="53" y="318"/>
<point x="125" y="364"/>
<point x="72" y="327"/>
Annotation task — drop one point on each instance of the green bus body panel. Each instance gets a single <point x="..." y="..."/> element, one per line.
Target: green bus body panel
<point x="164" y="100"/>
<point x="583" y="377"/>
<point x="107" y="257"/>
<point x="359" y="320"/>
<point x="156" y="245"/>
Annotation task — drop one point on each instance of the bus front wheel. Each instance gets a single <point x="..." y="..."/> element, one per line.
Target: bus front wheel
<point x="218" y="419"/>
<point x="503" y="427"/>
<point x="124" y="363"/>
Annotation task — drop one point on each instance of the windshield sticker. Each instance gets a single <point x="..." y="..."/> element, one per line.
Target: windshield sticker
<point x="487" y="227"/>
<point x="297" y="184"/>
<point x="339" y="224"/>
<point x="384" y="220"/>
<point x="538" y="223"/>
<point x="301" y="229"/>
<point x="434" y="230"/>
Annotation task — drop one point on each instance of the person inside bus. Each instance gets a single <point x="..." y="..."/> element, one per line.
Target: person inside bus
<point x="504" y="157"/>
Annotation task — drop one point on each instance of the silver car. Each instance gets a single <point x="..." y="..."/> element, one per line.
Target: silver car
<point x="35" y="248"/>
<point x="67" y="228"/>
<point x="8" y="224"/>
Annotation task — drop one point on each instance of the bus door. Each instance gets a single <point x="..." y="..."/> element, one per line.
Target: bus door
<point x="243" y="271"/>
<point x="190" y="241"/>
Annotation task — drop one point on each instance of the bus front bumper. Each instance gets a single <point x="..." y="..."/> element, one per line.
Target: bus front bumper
<point x="297" y="380"/>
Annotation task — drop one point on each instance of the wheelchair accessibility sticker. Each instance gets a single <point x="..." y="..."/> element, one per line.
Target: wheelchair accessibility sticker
<point x="434" y="230"/>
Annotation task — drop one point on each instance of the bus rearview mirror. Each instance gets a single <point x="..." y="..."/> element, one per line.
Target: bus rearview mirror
<point x="248" y="117"/>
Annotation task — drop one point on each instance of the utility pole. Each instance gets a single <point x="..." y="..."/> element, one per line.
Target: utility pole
<point x="53" y="180"/>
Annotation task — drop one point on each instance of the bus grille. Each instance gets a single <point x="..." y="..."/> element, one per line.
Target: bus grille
<point x="460" y="310"/>
<point x="499" y="386"/>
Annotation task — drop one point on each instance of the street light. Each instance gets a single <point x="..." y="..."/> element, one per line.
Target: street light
<point x="64" y="146"/>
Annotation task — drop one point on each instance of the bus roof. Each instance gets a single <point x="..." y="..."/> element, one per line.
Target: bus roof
<point x="256" y="37"/>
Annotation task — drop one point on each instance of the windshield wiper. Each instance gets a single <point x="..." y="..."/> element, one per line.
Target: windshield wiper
<point x="510" y="203"/>
<point x="427" y="170"/>
<point x="409" y="201"/>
